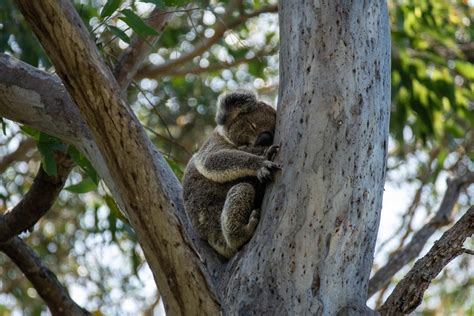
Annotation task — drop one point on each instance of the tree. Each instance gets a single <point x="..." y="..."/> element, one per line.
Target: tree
<point x="317" y="234"/>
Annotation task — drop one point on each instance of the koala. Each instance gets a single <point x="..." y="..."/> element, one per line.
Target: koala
<point x="223" y="181"/>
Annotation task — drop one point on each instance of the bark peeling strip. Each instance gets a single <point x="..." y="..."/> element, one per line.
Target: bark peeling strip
<point x="25" y="96"/>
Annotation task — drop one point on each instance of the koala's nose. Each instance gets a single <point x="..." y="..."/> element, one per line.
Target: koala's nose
<point x="264" y="139"/>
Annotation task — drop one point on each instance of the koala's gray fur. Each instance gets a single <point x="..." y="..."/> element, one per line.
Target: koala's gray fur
<point x="222" y="188"/>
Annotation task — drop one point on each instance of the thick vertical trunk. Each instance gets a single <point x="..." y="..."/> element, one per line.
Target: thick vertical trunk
<point x="313" y="249"/>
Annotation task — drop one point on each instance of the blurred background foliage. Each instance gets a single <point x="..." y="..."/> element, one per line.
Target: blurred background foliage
<point x="203" y="52"/>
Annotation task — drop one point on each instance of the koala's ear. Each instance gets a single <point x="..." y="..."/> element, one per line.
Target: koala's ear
<point x="232" y="104"/>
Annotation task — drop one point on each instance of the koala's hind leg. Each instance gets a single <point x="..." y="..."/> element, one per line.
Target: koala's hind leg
<point x="217" y="241"/>
<point x="238" y="218"/>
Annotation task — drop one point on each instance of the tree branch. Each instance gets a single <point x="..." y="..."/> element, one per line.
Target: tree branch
<point x="411" y="250"/>
<point x="138" y="176"/>
<point x="409" y="292"/>
<point x="221" y="27"/>
<point x="24" y="215"/>
<point x="37" y="201"/>
<point x="18" y="155"/>
<point x="44" y="281"/>
<point x="38" y="99"/>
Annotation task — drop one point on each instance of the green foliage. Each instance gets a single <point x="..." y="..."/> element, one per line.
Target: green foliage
<point x="86" y="185"/>
<point x="119" y="33"/>
<point x="136" y="23"/>
<point x="16" y="36"/>
<point x="47" y="145"/>
<point x="431" y="90"/>
<point x="110" y="8"/>
<point x="114" y="209"/>
<point x="176" y="168"/>
<point x="84" y="163"/>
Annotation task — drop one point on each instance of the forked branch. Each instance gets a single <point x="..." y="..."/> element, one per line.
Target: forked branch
<point x="409" y="292"/>
<point x="224" y="24"/>
<point x="44" y="281"/>
<point x="408" y="253"/>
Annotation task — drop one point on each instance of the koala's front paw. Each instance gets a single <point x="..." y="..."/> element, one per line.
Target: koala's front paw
<point x="271" y="151"/>
<point x="253" y="220"/>
<point x="265" y="173"/>
<point x="254" y="217"/>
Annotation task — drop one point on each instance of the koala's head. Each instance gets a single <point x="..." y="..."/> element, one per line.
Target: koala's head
<point x="244" y="120"/>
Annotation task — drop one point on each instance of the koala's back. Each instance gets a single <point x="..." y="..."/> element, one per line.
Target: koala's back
<point x="204" y="199"/>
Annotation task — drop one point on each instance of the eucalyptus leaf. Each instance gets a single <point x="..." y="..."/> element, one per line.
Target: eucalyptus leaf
<point x="119" y="33"/>
<point x="86" y="185"/>
<point x="137" y="23"/>
<point x="110" y="7"/>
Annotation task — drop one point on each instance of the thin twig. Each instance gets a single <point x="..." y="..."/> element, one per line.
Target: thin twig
<point x="168" y="140"/>
<point x="155" y="110"/>
<point x="224" y="24"/>
<point x="216" y="67"/>
<point x="423" y="178"/>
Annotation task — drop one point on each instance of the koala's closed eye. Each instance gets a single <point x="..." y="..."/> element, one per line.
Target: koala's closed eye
<point x="264" y="139"/>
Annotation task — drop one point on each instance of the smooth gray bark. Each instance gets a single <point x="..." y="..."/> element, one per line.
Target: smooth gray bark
<point x="314" y="246"/>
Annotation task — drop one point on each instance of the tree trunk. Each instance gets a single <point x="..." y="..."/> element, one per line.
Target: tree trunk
<point x="314" y="246"/>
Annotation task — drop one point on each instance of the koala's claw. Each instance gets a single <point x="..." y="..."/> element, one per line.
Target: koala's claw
<point x="255" y="215"/>
<point x="265" y="173"/>
<point x="271" y="165"/>
<point x="271" y="151"/>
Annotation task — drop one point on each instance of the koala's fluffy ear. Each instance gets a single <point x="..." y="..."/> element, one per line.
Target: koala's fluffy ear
<point x="232" y="104"/>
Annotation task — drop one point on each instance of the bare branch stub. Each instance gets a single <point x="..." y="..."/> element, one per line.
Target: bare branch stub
<point x="409" y="292"/>
<point x="44" y="281"/>
<point x="469" y="252"/>
<point x="442" y="217"/>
